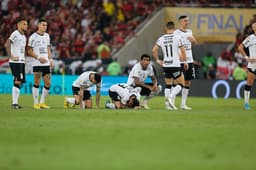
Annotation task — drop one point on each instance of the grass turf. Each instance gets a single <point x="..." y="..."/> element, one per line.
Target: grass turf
<point x="216" y="134"/>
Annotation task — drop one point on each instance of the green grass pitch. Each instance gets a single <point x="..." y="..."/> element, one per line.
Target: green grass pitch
<point x="216" y="135"/>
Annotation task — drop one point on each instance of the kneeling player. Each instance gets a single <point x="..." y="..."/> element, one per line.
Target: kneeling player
<point x="123" y="96"/>
<point x="81" y="90"/>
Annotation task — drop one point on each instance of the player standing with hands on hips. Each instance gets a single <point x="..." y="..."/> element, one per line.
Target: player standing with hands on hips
<point x="39" y="48"/>
<point x="15" y="47"/>
<point x="249" y="42"/>
<point x="189" y="74"/>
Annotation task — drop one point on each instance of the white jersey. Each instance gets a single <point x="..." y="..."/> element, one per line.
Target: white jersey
<point x="84" y="81"/>
<point x="40" y="44"/>
<point x="137" y="71"/>
<point x="250" y="42"/>
<point x="125" y="91"/>
<point x="187" y="44"/>
<point x="18" y="44"/>
<point x="170" y="44"/>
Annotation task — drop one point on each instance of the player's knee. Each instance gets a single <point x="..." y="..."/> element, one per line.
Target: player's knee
<point x="247" y="87"/>
<point x="36" y="86"/>
<point x="47" y="87"/>
<point x="181" y="85"/>
<point x="168" y="86"/>
<point x="88" y="104"/>
<point x="17" y="85"/>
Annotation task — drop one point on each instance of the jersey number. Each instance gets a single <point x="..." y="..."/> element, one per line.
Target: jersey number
<point x="168" y="48"/>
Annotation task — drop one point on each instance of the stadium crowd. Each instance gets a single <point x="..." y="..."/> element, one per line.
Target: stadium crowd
<point x="86" y="33"/>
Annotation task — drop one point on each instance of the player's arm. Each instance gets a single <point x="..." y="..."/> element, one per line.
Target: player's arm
<point x="98" y="87"/>
<point x="80" y="98"/>
<point x="139" y="83"/>
<point x="182" y="53"/>
<point x="192" y="39"/>
<point x="31" y="53"/>
<point x="183" y="57"/>
<point x="50" y="56"/>
<point x="154" y="81"/>
<point x="8" y="50"/>
<point x="155" y="54"/>
<point x="242" y="51"/>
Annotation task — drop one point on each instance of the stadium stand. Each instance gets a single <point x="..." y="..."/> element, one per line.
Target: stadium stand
<point x="79" y="27"/>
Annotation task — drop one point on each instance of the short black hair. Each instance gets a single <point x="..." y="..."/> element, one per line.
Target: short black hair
<point x="144" y="56"/>
<point x="170" y="25"/>
<point x="19" y="19"/>
<point x="182" y="17"/>
<point x="135" y="102"/>
<point x="97" y="77"/>
<point x="42" y="20"/>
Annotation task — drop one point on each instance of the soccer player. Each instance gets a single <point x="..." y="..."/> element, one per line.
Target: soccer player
<point x="137" y="77"/>
<point x="249" y="42"/>
<point x="189" y="74"/>
<point x="39" y="48"/>
<point x="173" y="53"/>
<point x="15" y="47"/>
<point x="123" y="96"/>
<point x="81" y="90"/>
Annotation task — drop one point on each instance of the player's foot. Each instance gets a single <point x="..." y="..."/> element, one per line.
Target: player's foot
<point x="159" y="89"/>
<point x="247" y="106"/>
<point x="44" y="106"/>
<point x="109" y="105"/>
<point x="72" y="106"/>
<point x="185" y="107"/>
<point x="16" y="106"/>
<point x="145" y="106"/>
<point x="37" y="106"/>
<point x="171" y="104"/>
<point x="167" y="106"/>
<point x="66" y="104"/>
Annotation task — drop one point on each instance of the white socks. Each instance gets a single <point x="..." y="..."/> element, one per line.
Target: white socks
<point x="44" y="94"/>
<point x="15" y="95"/>
<point x="184" y="95"/>
<point x="71" y="100"/>
<point x="110" y="105"/>
<point x="167" y="93"/>
<point x="35" y="92"/>
<point x="175" y="91"/>
<point x="246" y="96"/>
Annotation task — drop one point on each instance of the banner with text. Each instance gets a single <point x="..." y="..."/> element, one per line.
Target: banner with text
<point x="213" y="24"/>
<point x="61" y="85"/>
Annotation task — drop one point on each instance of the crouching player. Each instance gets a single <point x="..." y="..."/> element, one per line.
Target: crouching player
<point x="81" y="90"/>
<point x="123" y="96"/>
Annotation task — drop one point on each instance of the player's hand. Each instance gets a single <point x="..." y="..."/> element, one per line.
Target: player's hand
<point x="191" y="39"/>
<point x="42" y="60"/>
<point x="154" y="88"/>
<point x="51" y="63"/>
<point x="15" y="58"/>
<point x="186" y="66"/>
<point x="136" y="108"/>
<point x="160" y="62"/>
<point x="251" y="59"/>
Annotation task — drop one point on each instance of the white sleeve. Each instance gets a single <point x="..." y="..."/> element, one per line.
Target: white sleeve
<point x="246" y="42"/>
<point x="13" y="36"/>
<point x="31" y="41"/>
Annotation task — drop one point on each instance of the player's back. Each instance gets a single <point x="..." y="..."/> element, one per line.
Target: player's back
<point x="84" y="80"/>
<point x="169" y="44"/>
